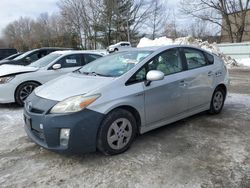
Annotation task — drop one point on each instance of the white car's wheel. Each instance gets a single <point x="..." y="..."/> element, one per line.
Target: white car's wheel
<point x="23" y="91"/>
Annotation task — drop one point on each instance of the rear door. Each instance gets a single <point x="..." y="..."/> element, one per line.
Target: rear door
<point x="200" y="79"/>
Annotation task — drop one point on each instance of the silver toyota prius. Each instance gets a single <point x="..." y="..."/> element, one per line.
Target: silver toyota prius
<point x="106" y="103"/>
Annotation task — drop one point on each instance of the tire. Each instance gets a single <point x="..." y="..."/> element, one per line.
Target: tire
<point x="116" y="132"/>
<point x="116" y="50"/>
<point x="217" y="101"/>
<point x="23" y="91"/>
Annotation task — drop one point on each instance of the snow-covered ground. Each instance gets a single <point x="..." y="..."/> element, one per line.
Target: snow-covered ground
<point x="201" y="151"/>
<point x="244" y="62"/>
<point x="230" y="62"/>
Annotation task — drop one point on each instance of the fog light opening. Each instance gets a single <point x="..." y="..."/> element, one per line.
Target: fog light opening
<point x="64" y="137"/>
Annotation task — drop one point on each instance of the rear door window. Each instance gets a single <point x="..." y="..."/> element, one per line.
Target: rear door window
<point x="124" y="44"/>
<point x="195" y="58"/>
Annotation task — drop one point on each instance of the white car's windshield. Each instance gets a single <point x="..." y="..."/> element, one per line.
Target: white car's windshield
<point x="116" y="64"/>
<point x="46" y="60"/>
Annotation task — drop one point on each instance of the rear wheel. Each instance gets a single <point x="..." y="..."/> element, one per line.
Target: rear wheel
<point x="117" y="132"/>
<point x="217" y="101"/>
<point x="23" y="91"/>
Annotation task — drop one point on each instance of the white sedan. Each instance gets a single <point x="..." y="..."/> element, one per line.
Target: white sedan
<point x="17" y="82"/>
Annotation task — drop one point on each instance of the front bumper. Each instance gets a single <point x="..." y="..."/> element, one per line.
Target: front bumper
<point x="7" y="92"/>
<point x="44" y="129"/>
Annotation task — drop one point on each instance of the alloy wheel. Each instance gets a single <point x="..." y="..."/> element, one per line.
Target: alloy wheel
<point x="119" y="133"/>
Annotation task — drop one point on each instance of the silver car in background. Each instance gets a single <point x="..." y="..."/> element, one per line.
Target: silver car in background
<point x="107" y="102"/>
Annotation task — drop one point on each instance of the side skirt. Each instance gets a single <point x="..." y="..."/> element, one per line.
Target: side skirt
<point x="164" y="122"/>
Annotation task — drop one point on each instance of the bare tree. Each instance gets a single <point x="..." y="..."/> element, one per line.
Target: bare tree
<point x="3" y="43"/>
<point x="230" y="15"/>
<point x="159" y="14"/>
<point x="18" y="33"/>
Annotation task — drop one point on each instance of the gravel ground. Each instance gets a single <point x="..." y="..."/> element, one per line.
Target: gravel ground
<point x="200" y="151"/>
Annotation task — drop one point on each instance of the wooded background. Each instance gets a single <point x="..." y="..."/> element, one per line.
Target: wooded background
<point x="92" y="24"/>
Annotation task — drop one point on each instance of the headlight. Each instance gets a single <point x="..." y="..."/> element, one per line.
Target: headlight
<point x="73" y="104"/>
<point x="6" y="79"/>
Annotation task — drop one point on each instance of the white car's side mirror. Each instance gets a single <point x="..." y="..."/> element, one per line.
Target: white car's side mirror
<point x="56" y="66"/>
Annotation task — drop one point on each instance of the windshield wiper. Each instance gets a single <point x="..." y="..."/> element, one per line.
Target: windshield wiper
<point x="95" y="74"/>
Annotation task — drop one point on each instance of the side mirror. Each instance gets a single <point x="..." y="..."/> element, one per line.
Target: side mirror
<point x="154" y="75"/>
<point x="56" y="66"/>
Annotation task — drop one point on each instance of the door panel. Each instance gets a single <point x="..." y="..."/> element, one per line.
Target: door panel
<point x="200" y="79"/>
<point x="200" y="86"/>
<point x="166" y="98"/>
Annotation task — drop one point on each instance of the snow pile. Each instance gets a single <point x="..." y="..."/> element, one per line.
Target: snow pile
<point x="244" y="62"/>
<point x="162" y="41"/>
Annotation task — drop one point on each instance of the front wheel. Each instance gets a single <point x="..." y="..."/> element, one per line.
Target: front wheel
<point x="23" y="91"/>
<point x="117" y="132"/>
<point x="217" y="101"/>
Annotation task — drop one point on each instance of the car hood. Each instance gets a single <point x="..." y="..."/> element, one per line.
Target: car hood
<point x="15" y="69"/>
<point x="70" y="85"/>
<point x="2" y="62"/>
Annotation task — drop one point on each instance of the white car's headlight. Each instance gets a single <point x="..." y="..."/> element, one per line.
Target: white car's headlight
<point x="73" y="104"/>
<point x="6" y="79"/>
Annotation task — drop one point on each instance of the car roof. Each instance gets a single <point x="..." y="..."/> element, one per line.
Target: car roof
<point x="54" y="48"/>
<point x="68" y="52"/>
<point x="162" y="48"/>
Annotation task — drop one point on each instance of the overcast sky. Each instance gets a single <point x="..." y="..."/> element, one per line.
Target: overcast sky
<point x="13" y="9"/>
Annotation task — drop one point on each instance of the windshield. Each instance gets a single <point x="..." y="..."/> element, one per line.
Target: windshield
<point x="24" y="55"/>
<point x="116" y="64"/>
<point x="46" y="60"/>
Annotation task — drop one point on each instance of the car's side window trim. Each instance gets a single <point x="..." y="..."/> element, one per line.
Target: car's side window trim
<point x="128" y="82"/>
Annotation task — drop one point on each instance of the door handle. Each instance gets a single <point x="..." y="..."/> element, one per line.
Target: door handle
<point x="138" y="94"/>
<point x="183" y="83"/>
<point x="210" y="73"/>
